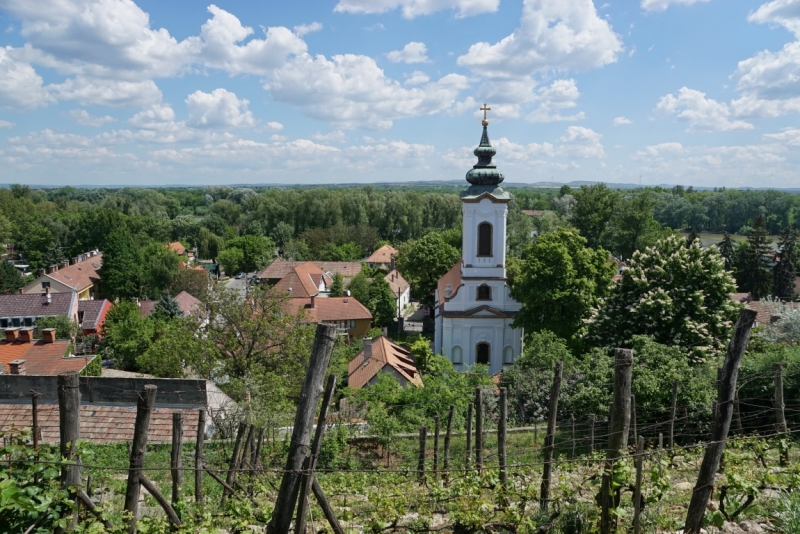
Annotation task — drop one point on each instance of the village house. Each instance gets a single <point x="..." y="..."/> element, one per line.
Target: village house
<point x="188" y="304"/>
<point x="382" y="356"/>
<point x="401" y="289"/>
<point x="349" y="316"/>
<point x="383" y="258"/>
<point x="92" y="316"/>
<point x="304" y="281"/>
<point x="20" y="354"/>
<point x="24" y="310"/>
<point x="80" y="274"/>
<point x="275" y="271"/>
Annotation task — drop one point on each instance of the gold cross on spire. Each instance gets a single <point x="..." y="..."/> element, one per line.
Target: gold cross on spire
<point x="485" y="109"/>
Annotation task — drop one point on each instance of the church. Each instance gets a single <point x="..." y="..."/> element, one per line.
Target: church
<point x="473" y="308"/>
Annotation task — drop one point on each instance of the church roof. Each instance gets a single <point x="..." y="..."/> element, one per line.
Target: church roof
<point x="451" y="278"/>
<point x="485" y="172"/>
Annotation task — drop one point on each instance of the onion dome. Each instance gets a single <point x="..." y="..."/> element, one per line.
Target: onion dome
<point x="485" y="172"/>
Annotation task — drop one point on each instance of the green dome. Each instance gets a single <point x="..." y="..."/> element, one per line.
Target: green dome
<point x="485" y="172"/>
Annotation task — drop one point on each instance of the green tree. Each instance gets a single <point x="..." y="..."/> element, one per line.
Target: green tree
<point x="160" y="266"/>
<point x="678" y="295"/>
<point x="633" y="226"/>
<point x="297" y="250"/>
<point x="232" y="260"/>
<point x="753" y="272"/>
<point x="257" y="251"/>
<point x="345" y="252"/>
<point x="65" y="327"/>
<point x="423" y="354"/>
<point x="282" y="233"/>
<point x="121" y="272"/>
<point x="167" y="308"/>
<point x="337" y="286"/>
<point x="727" y="249"/>
<point x="561" y="280"/>
<point x="381" y="303"/>
<point x="359" y="288"/>
<point x="193" y="281"/>
<point x="423" y="261"/>
<point x="785" y="270"/>
<point x="174" y="347"/>
<point x="10" y="278"/>
<point x="594" y="207"/>
<point x="126" y="335"/>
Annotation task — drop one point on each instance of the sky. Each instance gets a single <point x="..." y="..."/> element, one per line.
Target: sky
<point x="184" y="92"/>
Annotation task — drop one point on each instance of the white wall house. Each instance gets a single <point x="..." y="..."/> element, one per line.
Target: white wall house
<point x="474" y="309"/>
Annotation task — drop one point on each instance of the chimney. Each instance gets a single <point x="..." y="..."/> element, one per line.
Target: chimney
<point x="26" y="334"/>
<point x="17" y="367"/>
<point x="11" y="334"/>
<point x="53" y="268"/>
<point x="49" y="296"/>
<point x="48" y="335"/>
<point x="73" y="261"/>
<point x="21" y="292"/>
<point x="312" y="302"/>
<point x="367" y="348"/>
<point x="393" y="263"/>
<point x="42" y="272"/>
<point x="65" y="263"/>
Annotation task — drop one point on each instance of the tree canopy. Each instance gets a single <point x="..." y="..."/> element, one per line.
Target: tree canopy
<point x="423" y="261"/>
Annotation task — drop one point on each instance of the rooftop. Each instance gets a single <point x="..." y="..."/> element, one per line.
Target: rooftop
<point x="177" y="248"/>
<point x="396" y="281"/>
<point x="41" y="358"/>
<point x="303" y="281"/>
<point x="383" y="255"/>
<point x="451" y="278"/>
<point x="80" y="275"/>
<point x="280" y="268"/>
<point x="92" y="311"/>
<point x="383" y="352"/>
<point x="320" y="310"/>
<point x="36" y="304"/>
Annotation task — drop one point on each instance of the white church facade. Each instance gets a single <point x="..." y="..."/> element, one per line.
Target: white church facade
<point x="473" y="307"/>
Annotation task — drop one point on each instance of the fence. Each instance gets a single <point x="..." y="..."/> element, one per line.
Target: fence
<point x="486" y="457"/>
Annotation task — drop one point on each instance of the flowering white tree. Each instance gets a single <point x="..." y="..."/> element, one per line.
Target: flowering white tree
<point x="676" y="293"/>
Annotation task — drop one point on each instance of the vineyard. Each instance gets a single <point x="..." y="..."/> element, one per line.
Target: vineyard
<point x="633" y="469"/>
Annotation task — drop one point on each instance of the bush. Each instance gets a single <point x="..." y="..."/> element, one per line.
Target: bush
<point x="94" y="367"/>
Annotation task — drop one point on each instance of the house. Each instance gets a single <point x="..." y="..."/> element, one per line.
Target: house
<point x="382" y="356"/>
<point x="474" y="310"/>
<point x="346" y="313"/>
<point x="20" y="354"/>
<point x="79" y="274"/>
<point x="279" y="268"/>
<point x="92" y="316"/>
<point x="189" y="304"/>
<point x="23" y="310"/>
<point x="383" y="258"/>
<point x="765" y="311"/>
<point x="177" y="248"/>
<point x="304" y="281"/>
<point x="401" y="289"/>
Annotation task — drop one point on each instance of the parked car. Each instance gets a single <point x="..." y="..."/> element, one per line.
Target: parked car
<point x="240" y="276"/>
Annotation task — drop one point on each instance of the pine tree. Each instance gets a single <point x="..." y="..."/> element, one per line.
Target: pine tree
<point x="785" y="271"/>
<point x="121" y="273"/>
<point x="727" y="250"/>
<point x="692" y="237"/>
<point x="382" y="303"/>
<point x="10" y="279"/>
<point x="753" y="273"/>
<point x="167" y="307"/>
<point x="337" y="286"/>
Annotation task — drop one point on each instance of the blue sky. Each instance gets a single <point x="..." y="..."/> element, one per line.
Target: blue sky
<point x="116" y="92"/>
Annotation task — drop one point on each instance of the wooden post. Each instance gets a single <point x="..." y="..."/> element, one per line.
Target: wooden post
<point x="479" y="429"/>
<point x="35" y="416"/>
<point x="234" y="462"/>
<point x="153" y="490"/>
<point x="144" y="409"/>
<point x="468" y="453"/>
<point x="660" y="441"/>
<point x="549" y="440"/>
<point x="326" y="507"/>
<point x="633" y="416"/>
<point x="637" y="493"/>
<point x="672" y="414"/>
<point x="501" y="437"/>
<point x="591" y="434"/>
<point x="259" y="446"/>
<point x="618" y="428"/>
<point x="436" y="447"/>
<point x="176" y="465"/>
<point x="301" y="433"/>
<point x="780" y="417"/>
<point x="708" y="469"/>
<point x="739" y="426"/>
<point x="311" y="461"/>
<point x="423" y="438"/>
<point x="572" y="420"/>
<point x="198" y="457"/>
<point x="447" y="442"/>
<point x="69" y="411"/>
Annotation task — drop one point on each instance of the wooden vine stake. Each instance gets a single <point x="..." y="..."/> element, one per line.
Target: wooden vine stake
<point x="69" y="411"/>
<point x="501" y="437"/>
<point x="234" y="463"/>
<point x="447" y="442"/>
<point x="436" y="447"/>
<point x="722" y="423"/>
<point x="144" y="409"/>
<point x="549" y="440"/>
<point x="176" y="459"/>
<point x="423" y="438"/>
<point x="637" y="492"/>
<point x="479" y="429"/>
<point x="468" y="452"/>
<point x="673" y="413"/>
<point x="198" y="457"/>
<point x="780" y="417"/>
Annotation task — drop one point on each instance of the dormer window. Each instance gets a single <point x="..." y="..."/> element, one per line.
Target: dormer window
<point x="484" y="292"/>
<point x="485" y="239"/>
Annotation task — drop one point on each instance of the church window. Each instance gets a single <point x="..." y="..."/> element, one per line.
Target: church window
<point x="457" y="355"/>
<point x="508" y="355"/>
<point x="482" y="353"/>
<point x="484" y="292"/>
<point x="485" y="239"/>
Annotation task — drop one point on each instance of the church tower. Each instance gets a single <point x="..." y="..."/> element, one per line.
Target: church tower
<point x="474" y="309"/>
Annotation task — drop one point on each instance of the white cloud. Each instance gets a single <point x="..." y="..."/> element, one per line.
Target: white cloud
<point x="218" y="109"/>
<point x="417" y="78"/>
<point x="783" y="12"/>
<point x="273" y="126"/>
<point x="337" y="136"/>
<point x="154" y="118"/>
<point x="413" y="52"/>
<point x="560" y="95"/>
<point x="304" y="29"/>
<point x="702" y="114"/>
<point x="84" y="118"/>
<point x="621" y="121"/>
<point x="20" y="86"/>
<point x="351" y="91"/>
<point x="582" y="142"/>
<point x="6" y="124"/>
<point x="553" y="34"/>
<point x="415" y="8"/>
<point x="662" y="5"/>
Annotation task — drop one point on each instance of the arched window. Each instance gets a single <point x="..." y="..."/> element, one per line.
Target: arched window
<point x="484" y="292"/>
<point x="508" y="355"/>
<point x="484" y="239"/>
<point x="457" y="355"/>
<point x="482" y="353"/>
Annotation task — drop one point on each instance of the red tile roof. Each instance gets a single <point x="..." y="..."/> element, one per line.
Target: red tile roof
<point x="383" y="255"/>
<point x="81" y="275"/>
<point x="451" y="278"/>
<point x="329" y="309"/>
<point x="303" y="281"/>
<point x="41" y="358"/>
<point x="100" y="424"/>
<point x="190" y="304"/>
<point x="280" y="268"/>
<point x="146" y="307"/>
<point x="177" y="248"/>
<point x="361" y="370"/>
<point x="396" y="281"/>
